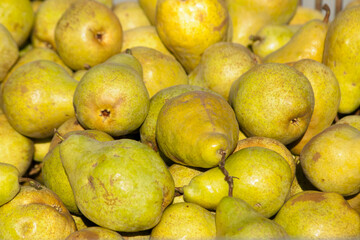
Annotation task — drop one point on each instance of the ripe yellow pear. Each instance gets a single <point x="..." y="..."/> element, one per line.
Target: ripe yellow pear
<point x="9" y="180"/>
<point x="187" y="28"/>
<point x="9" y="52"/>
<point x="131" y="15"/>
<point x="149" y="7"/>
<point x="305" y="14"/>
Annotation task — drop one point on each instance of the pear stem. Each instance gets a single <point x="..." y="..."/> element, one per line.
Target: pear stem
<point x="179" y="191"/>
<point x="31" y="181"/>
<point x="228" y="178"/>
<point x="255" y="38"/>
<point x="128" y="51"/>
<point x="327" y="15"/>
<point x="58" y="134"/>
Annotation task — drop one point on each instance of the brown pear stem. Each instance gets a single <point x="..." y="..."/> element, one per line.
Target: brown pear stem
<point x="179" y="191"/>
<point x="36" y="169"/>
<point x="58" y="134"/>
<point x="228" y="178"/>
<point x="128" y="51"/>
<point x="255" y="38"/>
<point x="327" y="15"/>
<point x="31" y="181"/>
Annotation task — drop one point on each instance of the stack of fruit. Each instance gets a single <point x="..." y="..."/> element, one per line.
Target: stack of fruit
<point x="179" y="119"/>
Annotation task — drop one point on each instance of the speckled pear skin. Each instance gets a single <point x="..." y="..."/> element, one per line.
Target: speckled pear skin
<point x="196" y="128"/>
<point x="9" y="180"/>
<point x="122" y="185"/>
<point x="94" y="233"/>
<point x="262" y="178"/>
<point x="236" y="219"/>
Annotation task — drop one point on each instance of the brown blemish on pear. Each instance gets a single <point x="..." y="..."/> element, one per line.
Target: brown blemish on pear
<point x="315" y="197"/>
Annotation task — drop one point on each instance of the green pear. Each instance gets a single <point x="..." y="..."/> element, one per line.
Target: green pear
<point x="261" y="177"/>
<point x="41" y="148"/>
<point x="185" y="221"/>
<point x="352" y="120"/>
<point x="46" y="18"/>
<point x="9" y="181"/>
<point x="182" y="176"/>
<point x="18" y="17"/>
<point x="197" y="128"/>
<point x="9" y="52"/>
<point x="327" y="98"/>
<point x="273" y="100"/>
<point x="122" y="185"/>
<point x="148" y="128"/>
<point x="187" y="28"/>
<point x="131" y="15"/>
<point x="305" y="14"/>
<point x="53" y="172"/>
<point x="270" y="38"/>
<point x="35" y="213"/>
<point x="341" y="49"/>
<point x="248" y="16"/>
<point x="271" y="144"/>
<point x="319" y="215"/>
<point x="127" y="58"/>
<point x="117" y="105"/>
<point x="236" y="219"/>
<point x="94" y="233"/>
<point x="79" y="74"/>
<point x="331" y="160"/>
<point x="145" y="36"/>
<point x="87" y="34"/>
<point x="15" y="149"/>
<point x="306" y="43"/>
<point x="220" y="65"/>
<point x="82" y="222"/>
<point x="37" y="98"/>
<point x="160" y="70"/>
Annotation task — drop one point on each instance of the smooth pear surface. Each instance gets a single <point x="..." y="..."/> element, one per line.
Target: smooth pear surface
<point x="9" y="181"/>
<point x="304" y="15"/>
<point x="342" y="45"/>
<point x="318" y="215"/>
<point x="94" y="233"/>
<point x="149" y="7"/>
<point x="273" y="100"/>
<point x="262" y="178"/>
<point x="197" y="128"/>
<point x="122" y="185"/>
<point x="352" y="120"/>
<point x="37" y="98"/>
<point x="87" y="34"/>
<point x="130" y="15"/>
<point x="9" y="52"/>
<point x="331" y="160"/>
<point x="187" y="28"/>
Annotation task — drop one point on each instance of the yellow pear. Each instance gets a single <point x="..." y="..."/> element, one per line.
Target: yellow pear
<point x="41" y="148"/>
<point x="131" y="15"/>
<point x="352" y="120"/>
<point x="352" y="3"/>
<point x="187" y="28"/>
<point x="9" y="52"/>
<point x="18" y="17"/>
<point x="327" y="98"/>
<point x="145" y="36"/>
<point x="9" y="180"/>
<point x="159" y="70"/>
<point x="94" y="233"/>
<point x="305" y="14"/>
<point x="149" y="7"/>
<point x="248" y="16"/>
<point x="307" y="42"/>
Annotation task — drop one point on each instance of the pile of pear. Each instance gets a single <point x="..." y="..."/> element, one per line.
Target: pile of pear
<point x="179" y="119"/>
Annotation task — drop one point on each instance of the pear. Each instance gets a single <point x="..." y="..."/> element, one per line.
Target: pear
<point x="197" y="128"/>
<point x="122" y="185"/>
<point x="145" y="36"/>
<point x="9" y="52"/>
<point x="354" y="202"/>
<point x="148" y="128"/>
<point x="341" y="49"/>
<point x="46" y="18"/>
<point x="318" y="215"/>
<point x="271" y="144"/>
<point x="327" y="98"/>
<point x="305" y="14"/>
<point x="331" y="160"/>
<point x="187" y="28"/>
<point x="87" y="34"/>
<point x="236" y="219"/>
<point x="261" y="177"/>
<point x="270" y="38"/>
<point x="15" y="149"/>
<point x="185" y="221"/>
<point x="37" y="98"/>
<point x="273" y="100"/>
<point x="94" y="233"/>
<point x="307" y="42"/>
<point x="117" y="105"/>
<point x="35" y="213"/>
<point x="127" y="58"/>
<point x="18" y="17"/>
<point x="82" y="222"/>
<point x="248" y="16"/>
<point x="159" y="70"/>
<point x="220" y="65"/>
<point x="130" y="15"/>
<point x="352" y="3"/>
<point x="149" y="7"/>
<point x="41" y="148"/>
<point x="182" y="175"/>
<point x="9" y="181"/>
<point x="352" y="120"/>
<point x="79" y="74"/>
<point x="53" y="172"/>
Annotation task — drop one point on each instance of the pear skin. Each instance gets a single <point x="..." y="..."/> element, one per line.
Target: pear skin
<point x="304" y="15"/>
<point x="197" y="129"/>
<point x="9" y="52"/>
<point x="9" y="180"/>
<point x="122" y="185"/>
<point x="130" y="15"/>
<point x="94" y="233"/>
<point x="341" y="49"/>
<point x="352" y="120"/>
